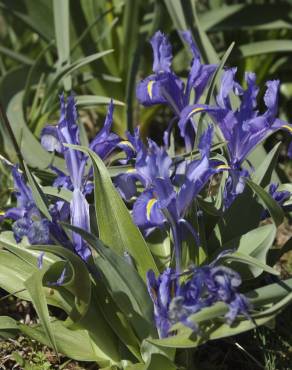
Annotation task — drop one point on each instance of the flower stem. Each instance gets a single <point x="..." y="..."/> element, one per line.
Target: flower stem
<point x="177" y="247"/>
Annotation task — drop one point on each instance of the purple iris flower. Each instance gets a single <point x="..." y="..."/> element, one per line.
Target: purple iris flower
<point x="243" y="127"/>
<point x="167" y="195"/>
<point x="177" y="296"/>
<point x="27" y="218"/>
<point x="165" y="87"/>
<point x="67" y="132"/>
<point x="53" y="138"/>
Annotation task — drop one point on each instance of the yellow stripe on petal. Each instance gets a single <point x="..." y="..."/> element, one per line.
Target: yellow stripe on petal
<point x="2" y="213"/>
<point x="289" y="128"/>
<point x="149" y="207"/>
<point x="150" y="87"/>
<point x="223" y="167"/>
<point x="127" y="143"/>
<point x="131" y="170"/>
<point x="195" y="110"/>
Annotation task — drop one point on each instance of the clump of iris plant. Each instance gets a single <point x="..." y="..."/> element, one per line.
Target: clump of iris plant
<point x="161" y="190"/>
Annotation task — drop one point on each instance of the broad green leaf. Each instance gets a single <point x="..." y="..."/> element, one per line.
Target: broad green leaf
<point x="126" y="286"/>
<point x="256" y="243"/>
<point x="263" y="173"/>
<point x="75" y="344"/>
<point x="79" y="284"/>
<point x="35" y="288"/>
<point x="158" y="361"/>
<point x="84" y="311"/>
<point x="12" y="280"/>
<point x="38" y="158"/>
<point x="118" y="322"/>
<point x="273" y="207"/>
<point x="115" y="225"/>
<point x="21" y="250"/>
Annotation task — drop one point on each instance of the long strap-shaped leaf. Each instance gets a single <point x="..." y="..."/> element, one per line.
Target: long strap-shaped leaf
<point x="115" y="225"/>
<point x="34" y="286"/>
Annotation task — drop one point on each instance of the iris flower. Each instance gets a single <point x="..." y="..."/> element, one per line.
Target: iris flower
<point x="28" y="220"/>
<point x="166" y="197"/>
<point x="53" y="138"/>
<point x="243" y="127"/>
<point x="165" y="87"/>
<point x="177" y="296"/>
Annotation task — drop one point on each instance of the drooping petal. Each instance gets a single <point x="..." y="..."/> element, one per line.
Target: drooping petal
<point x="146" y="211"/>
<point x="164" y="88"/>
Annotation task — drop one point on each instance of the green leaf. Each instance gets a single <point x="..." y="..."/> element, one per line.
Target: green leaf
<point x="8" y="327"/>
<point x="67" y="70"/>
<point x="273" y="207"/>
<point x="115" y="225"/>
<point x="92" y="100"/>
<point x="38" y="158"/>
<point x="38" y="195"/>
<point x="79" y="284"/>
<point x="265" y="47"/>
<point x="16" y="56"/>
<point x="126" y="286"/>
<point x="263" y="173"/>
<point x="85" y="312"/>
<point x="35" y="288"/>
<point x="60" y="193"/>
<point x="75" y="344"/>
<point x="256" y="243"/>
<point x="118" y="322"/>
<point x="62" y="34"/>
<point x="245" y="17"/>
<point x="251" y="261"/>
